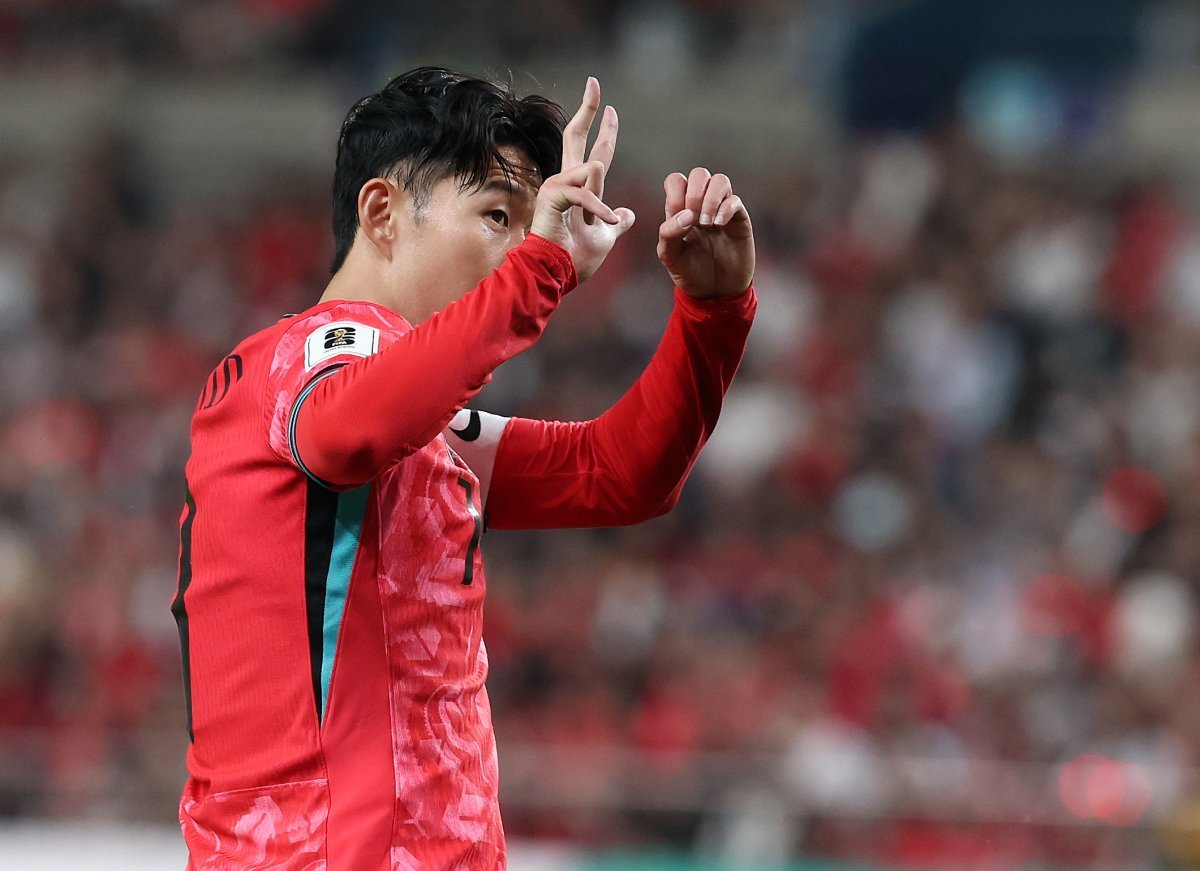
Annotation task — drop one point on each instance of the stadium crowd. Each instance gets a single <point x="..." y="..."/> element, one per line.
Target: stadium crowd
<point x="950" y="513"/>
<point x="223" y="37"/>
<point x="929" y="596"/>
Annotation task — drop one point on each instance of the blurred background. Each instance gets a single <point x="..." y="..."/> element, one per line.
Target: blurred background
<point x="930" y="598"/>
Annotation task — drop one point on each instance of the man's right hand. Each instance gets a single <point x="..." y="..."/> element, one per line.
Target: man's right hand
<point x="568" y="203"/>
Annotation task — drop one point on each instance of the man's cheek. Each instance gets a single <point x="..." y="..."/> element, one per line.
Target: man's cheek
<point x="493" y="255"/>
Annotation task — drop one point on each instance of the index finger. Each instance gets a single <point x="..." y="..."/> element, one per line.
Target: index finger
<point x="575" y="134"/>
<point x="675" y="186"/>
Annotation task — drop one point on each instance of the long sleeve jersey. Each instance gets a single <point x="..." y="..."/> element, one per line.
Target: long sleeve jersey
<point x="331" y="581"/>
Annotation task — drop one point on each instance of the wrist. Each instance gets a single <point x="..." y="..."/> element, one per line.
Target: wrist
<point x="564" y="264"/>
<point x="738" y="302"/>
<point x="715" y="295"/>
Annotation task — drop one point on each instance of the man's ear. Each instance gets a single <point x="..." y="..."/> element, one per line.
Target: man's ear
<point x="381" y="202"/>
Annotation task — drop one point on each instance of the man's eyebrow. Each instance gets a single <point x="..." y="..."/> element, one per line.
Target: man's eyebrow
<point x="503" y="185"/>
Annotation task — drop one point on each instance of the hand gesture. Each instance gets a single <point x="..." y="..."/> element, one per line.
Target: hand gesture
<point x="706" y="243"/>
<point x="568" y="203"/>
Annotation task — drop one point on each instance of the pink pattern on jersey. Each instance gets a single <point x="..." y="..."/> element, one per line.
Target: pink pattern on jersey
<point x="276" y="827"/>
<point x="444" y="747"/>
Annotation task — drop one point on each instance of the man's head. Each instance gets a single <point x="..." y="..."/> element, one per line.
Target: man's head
<point x="433" y="139"/>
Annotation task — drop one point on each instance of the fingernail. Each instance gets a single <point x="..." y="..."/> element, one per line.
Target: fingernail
<point x="685" y="217"/>
<point x="705" y="220"/>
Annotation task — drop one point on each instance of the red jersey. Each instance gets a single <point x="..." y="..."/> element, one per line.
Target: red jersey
<point x="331" y="584"/>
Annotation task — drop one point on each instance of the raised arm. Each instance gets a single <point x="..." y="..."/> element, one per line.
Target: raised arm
<point x="356" y="420"/>
<point x="630" y="463"/>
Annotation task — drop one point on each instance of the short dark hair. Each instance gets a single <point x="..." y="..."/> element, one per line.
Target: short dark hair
<point x="430" y="123"/>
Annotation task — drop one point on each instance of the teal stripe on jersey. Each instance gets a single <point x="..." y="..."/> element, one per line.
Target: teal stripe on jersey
<point x="347" y="528"/>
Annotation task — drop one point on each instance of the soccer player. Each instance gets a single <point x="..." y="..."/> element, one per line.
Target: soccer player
<point x="331" y="585"/>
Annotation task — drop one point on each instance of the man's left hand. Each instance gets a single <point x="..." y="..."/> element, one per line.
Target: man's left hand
<point x="706" y="243"/>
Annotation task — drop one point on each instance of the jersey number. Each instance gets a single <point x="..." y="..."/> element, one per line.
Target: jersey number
<point x="469" y="571"/>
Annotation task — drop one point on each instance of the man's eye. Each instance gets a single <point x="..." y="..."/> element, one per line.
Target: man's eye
<point x="499" y="216"/>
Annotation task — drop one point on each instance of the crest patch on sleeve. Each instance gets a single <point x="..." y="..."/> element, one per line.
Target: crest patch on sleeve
<point x="340" y="337"/>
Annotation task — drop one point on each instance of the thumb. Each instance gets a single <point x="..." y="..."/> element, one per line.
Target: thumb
<point x="671" y="233"/>
<point x="625" y="219"/>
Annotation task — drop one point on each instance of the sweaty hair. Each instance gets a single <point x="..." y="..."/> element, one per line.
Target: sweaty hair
<point x="432" y="123"/>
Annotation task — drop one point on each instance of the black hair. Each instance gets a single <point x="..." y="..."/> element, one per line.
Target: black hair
<point x="431" y="123"/>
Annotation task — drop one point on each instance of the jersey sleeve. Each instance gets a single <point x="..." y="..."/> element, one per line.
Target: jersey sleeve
<point x="349" y="426"/>
<point x="312" y="349"/>
<point x="630" y="463"/>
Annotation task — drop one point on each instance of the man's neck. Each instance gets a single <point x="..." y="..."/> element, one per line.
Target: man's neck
<point x="351" y="284"/>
